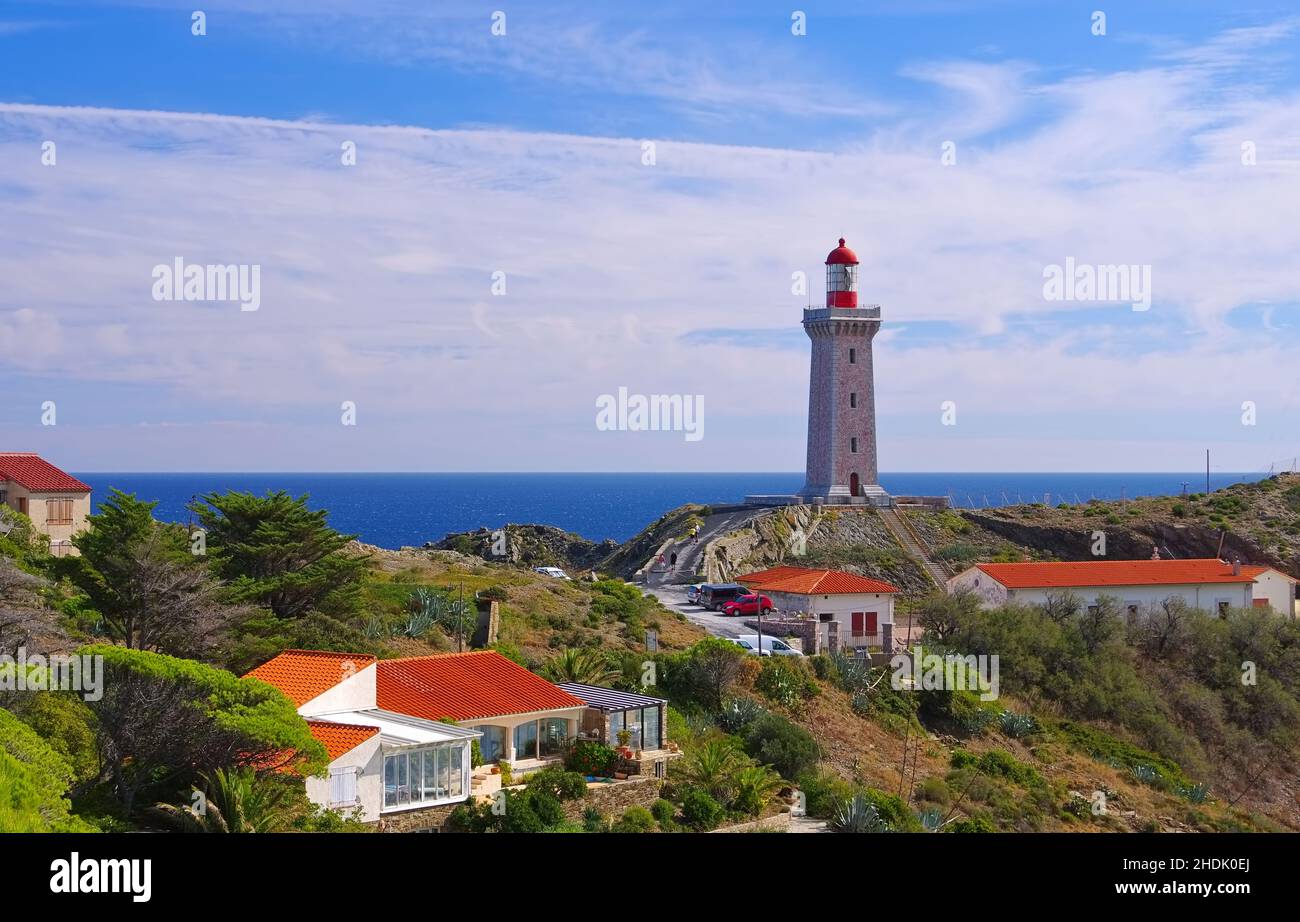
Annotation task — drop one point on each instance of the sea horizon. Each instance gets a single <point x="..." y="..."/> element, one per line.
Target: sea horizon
<point x="393" y="509"/>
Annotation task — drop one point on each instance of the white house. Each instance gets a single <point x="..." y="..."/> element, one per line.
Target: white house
<point x="399" y="732"/>
<point x="1274" y="589"/>
<point x="861" y="607"/>
<point x="1209" y="584"/>
<point x="380" y="761"/>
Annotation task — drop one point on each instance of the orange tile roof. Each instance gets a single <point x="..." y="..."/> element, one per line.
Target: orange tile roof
<point x="465" y="686"/>
<point x="340" y="738"/>
<point x="1053" y="575"/>
<point x="1258" y="571"/>
<point x="804" y="581"/>
<point x="33" y="472"/>
<point x="304" y="674"/>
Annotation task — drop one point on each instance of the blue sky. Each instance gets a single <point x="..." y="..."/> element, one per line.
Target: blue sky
<point x="522" y="154"/>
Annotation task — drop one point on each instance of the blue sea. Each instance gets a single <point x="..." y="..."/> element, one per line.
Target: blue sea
<point x="394" y="510"/>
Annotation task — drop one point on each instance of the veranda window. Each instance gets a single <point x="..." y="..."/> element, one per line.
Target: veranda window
<point x="427" y="775"/>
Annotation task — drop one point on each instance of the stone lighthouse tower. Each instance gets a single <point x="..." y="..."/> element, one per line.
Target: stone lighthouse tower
<point x="841" y="391"/>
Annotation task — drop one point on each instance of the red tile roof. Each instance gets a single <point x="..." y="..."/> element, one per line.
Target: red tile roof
<point x="304" y="674"/>
<point x="31" y="471"/>
<point x="340" y="738"/>
<point x="1052" y="575"/>
<point x="804" y="581"/>
<point x="465" y="686"/>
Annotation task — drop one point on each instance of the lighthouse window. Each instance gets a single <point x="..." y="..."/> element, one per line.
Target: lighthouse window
<point x="853" y="356"/>
<point x="842" y="277"/>
<point x="853" y="401"/>
<point x="853" y="445"/>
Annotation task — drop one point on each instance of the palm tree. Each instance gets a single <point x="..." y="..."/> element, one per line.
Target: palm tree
<point x="584" y="666"/>
<point x="714" y="766"/>
<point x="233" y="800"/>
<point x="755" y="786"/>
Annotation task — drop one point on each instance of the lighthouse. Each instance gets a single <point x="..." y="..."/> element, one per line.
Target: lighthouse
<point x="841" y="391"/>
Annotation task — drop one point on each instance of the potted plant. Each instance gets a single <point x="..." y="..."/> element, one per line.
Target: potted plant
<point x="624" y="737"/>
<point x="507" y="773"/>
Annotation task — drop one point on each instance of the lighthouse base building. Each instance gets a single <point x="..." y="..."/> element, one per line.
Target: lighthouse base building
<point x="842" y="463"/>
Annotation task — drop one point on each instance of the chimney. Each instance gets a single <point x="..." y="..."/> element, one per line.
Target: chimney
<point x="1236" y="566"/>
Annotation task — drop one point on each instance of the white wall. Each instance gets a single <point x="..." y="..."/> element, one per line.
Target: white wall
<point x="840" y="606"/>
<point x="370" y="784"/>
<point x="1201" y="595"/>
<point x="352" y="694"/>
<point x="1278" y="590"/>
<point x="991" y="593"/>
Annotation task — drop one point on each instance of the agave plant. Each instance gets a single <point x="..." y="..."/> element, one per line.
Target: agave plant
<point x="739" y="713"/>
<point x="583" y="665"/>
<point x="1016" y="725"/>
<point x="1195" y="793"/>
<point x="858" y="815"/>
<point x="232" y="800"/>
<point x="1145" y="774"/>
<point x="931" y="820"/>
<point x="855" y="675"/>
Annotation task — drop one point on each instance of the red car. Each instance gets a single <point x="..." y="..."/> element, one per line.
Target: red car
<point x="747" y="605"/>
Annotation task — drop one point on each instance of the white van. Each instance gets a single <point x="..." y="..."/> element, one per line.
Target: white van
<point x="772" y="646"/>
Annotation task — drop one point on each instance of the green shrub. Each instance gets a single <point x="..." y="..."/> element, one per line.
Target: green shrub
<point x="787" y="747"/>
<point x="935" y="790"/>
<point x="970" y="825"/>
<point x="785" y="680"/>
<point x="892" y="810"/>
<point x="560" y="784"/>
<point x="823" y="791"/>
<point x="699" y="810"/>
<point x="547" y="807"/>
<point x="998" y="763"/>
<point x="635" y="819"/>
<point x="665" y="814"/>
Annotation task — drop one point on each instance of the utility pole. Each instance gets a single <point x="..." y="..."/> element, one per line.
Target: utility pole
<point x="460" y="614"/>
<point x="1207" y="470"/>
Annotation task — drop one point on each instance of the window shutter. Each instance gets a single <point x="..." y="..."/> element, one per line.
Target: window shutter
<point x="856" y="619"/>
<point x="343" y="786"/>
<point x="871" y="622"/>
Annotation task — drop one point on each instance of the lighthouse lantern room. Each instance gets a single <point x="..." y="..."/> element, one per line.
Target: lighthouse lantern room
<point x="842" y="277"/>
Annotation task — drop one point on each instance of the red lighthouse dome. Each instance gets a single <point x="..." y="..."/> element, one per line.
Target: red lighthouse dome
<point x="842" y="255"/>
<point x="842" y="277"/>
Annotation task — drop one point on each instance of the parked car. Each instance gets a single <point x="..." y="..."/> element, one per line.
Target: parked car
<point x="714" y="595"/>
<point x="772" y="646"/>
<point x="551" y="571"/>
<point x="693" y="592"/>
<point x="747" y="605"/>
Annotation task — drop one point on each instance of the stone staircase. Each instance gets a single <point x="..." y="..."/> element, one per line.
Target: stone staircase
<point x="912" y="543"/>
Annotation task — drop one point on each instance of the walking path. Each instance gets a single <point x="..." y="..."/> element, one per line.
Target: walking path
<point x="911" y="543"/>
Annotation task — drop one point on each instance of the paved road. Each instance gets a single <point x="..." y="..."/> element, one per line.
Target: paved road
<point x="674" y="598"/>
